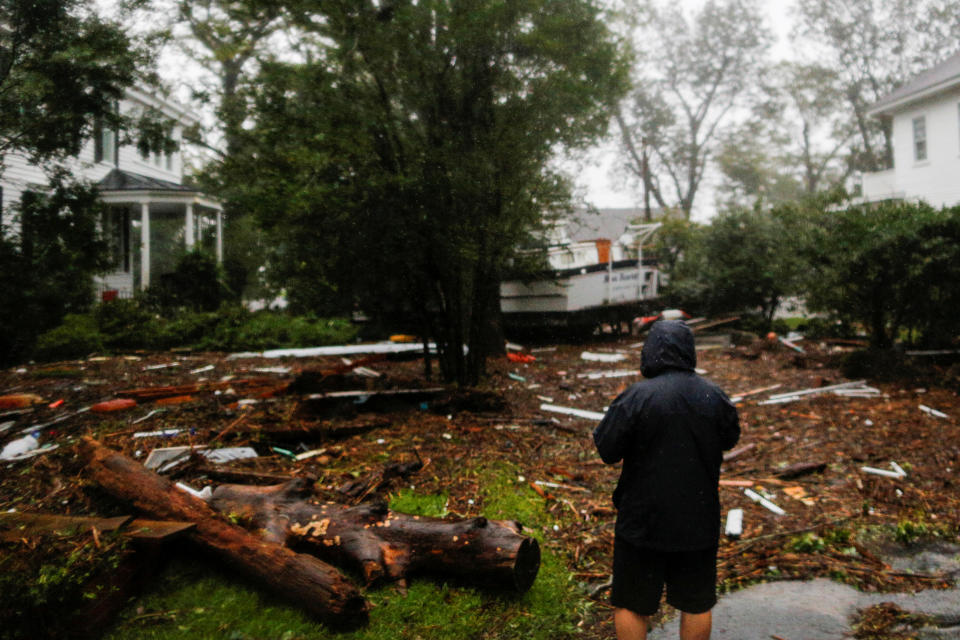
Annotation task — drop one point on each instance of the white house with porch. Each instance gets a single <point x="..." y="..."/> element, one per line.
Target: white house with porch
<point x="925" y="116"/>
<point x="151" y="216"/>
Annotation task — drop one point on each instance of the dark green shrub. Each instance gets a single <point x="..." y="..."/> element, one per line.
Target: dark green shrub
<point x="125" y="324"/>
<point x="197" y="283"/>
<point x="241" y="330"/>
<point x="47" y="262"/>
<point x="77" y="336"/>
<point x="187" y="328"/>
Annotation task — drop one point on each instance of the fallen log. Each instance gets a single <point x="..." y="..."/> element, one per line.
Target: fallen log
<point x="383" y="544"/>
<point x="314" y="585"/>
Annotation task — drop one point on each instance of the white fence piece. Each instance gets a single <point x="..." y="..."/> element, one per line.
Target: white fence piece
<point x="603" y="357"/>
<point x="579" y="413"/>
<point x="756" y="497"/>
<point x="932" y="412"/>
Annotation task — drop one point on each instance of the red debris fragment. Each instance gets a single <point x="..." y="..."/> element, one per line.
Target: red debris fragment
<point x="119" y="404"/>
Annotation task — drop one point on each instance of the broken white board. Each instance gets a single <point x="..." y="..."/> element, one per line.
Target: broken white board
<point x="756" y="497"/>
<point x="734" y="525"/>
<point x="602" y="357"/>
<point x="579" y="413"/>
<point x="339" y="350"/>
<point x="617" y="373"/>
<point x="932" y="412"/>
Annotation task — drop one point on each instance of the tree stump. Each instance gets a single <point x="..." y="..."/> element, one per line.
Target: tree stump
<point x="383" y="544"/>
<point x="314" y="585"/>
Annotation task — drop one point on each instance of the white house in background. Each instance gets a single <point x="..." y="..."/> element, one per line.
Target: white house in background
<point x="925" y="115"/>
<point x="151" y="215"/>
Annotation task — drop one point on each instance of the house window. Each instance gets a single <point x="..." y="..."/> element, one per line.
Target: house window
<point x="116" y="233"/>
<point x="920" y="138"/>
<point x="105" y="147"/>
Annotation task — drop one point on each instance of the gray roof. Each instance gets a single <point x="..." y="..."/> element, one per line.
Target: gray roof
<point x="608" y="224"/>
<point x="943" y="76"/>
<point x="118" y="180"/>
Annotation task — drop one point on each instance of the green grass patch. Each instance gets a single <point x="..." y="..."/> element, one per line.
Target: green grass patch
<point x="419" y="504"/>
<point x="191" y="600"/>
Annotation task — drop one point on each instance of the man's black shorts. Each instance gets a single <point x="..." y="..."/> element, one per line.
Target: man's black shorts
<point x="640" y="574"/>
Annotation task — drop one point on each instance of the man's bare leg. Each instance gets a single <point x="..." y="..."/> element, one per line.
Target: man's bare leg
<point x="629" y="625"/>
<point x="695" y="626"/>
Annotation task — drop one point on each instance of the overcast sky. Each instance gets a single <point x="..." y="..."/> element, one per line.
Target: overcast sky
<point x="596" y="172"/>
<point x="598" y="178"/>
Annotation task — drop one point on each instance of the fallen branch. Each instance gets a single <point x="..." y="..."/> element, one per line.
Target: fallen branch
<point x="314" y="585"/>
<point x="384" y="544"/>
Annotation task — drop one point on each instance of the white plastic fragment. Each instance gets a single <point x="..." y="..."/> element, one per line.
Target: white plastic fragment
<point x="790" y="344"/>
<point x="36" y="452"/>
<point x="166" y="365"/>
<point x="306" y="455"/>
<point x="618" y="373"/>
<point x="932" y="412"/>
<point x="204" y="495"/>
<point x="579" y="413"/>
<point x="756" y="497"/>
<point x="734" y="526"/>
<point x="165" y="458"/>
<point x="511" y="346"/>
<point x="603" y="357"/>
<point x="19" y="447"/>
<point x="339" y="350"/>
<point x="226" y="454"/>
<point x="163" y="455"/>
<point x="791" y="396"/>
<point x="154" y="434"/>
<point x="280" y="370"/>
<point x="209" y="367"/>
<point x="898" y="471"/>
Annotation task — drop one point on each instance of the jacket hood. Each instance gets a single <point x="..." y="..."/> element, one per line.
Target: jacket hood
<point x="668" y="346"/>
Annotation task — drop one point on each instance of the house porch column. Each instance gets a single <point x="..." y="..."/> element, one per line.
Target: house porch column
<point x="189" y="228"/>
<point x="219" y="236"/>
<point x="144" y="245"/>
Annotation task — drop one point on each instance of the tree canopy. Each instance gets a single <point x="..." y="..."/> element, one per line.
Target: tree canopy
<point x="403" y="166"/>
<point x="62" y="67"/>
<point x="692" y="73"/>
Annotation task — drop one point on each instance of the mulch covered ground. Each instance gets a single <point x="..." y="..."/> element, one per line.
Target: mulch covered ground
<point x="269" y="404"/>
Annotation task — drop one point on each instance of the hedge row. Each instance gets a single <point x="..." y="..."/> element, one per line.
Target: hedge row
<point x="124" y="325"/>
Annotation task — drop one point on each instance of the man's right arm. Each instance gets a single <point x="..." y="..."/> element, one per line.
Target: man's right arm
<point x="613" y="433"/>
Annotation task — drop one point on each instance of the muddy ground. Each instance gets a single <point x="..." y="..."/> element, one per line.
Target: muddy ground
<point x="266" y="403"/>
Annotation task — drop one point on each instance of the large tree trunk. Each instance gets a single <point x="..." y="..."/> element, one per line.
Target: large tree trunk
<point x="384" y="544"/>
<point x="305" y="580"/>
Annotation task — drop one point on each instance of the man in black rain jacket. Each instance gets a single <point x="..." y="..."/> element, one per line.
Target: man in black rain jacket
<point x="670" y="430"/>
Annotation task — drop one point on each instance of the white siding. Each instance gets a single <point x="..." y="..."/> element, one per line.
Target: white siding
<point x="935" y="180"/>
<point x="18" y="174"/>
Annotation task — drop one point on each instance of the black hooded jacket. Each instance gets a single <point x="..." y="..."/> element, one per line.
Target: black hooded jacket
<point x="670" y="431"/>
